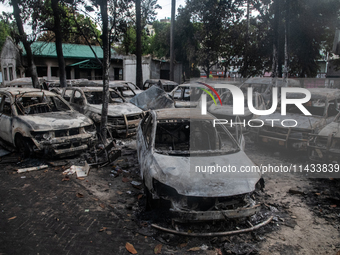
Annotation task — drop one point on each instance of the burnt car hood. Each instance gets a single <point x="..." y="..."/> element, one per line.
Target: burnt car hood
<point x="303" y="122"/>
<point x="226" y="110"/>
<point x="179" y="173"/>
<point x="56" y="120"/>
<point x="116" y="110"/>
<point x="332" y="128"/>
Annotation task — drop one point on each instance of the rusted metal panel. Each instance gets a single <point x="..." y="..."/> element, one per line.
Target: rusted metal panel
<point x="215" y="215"/>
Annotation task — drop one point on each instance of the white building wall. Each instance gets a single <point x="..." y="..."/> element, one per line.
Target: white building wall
<point x="129" y="69"/>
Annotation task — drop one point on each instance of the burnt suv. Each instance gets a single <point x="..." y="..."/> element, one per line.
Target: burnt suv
<point x="37" y="122"/>
<point x="123" y="117"/>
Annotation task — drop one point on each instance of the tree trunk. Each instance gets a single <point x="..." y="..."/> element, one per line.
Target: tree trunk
<point x="59" y="42"/>
<point x="245" y="69"/>
<point x="225" y="71"/>
<point x="139" y="72"/>
<point x="285" y="76"/>
<point x="207" y="72"/>
<point x="275" y="40"/>
<point x="30" y="61"/>
<point x="172" y="41"/>
<point x="106" y="66"/>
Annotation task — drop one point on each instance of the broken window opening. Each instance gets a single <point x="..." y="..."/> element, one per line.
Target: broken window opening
<point x="96" y="97"/>
<point x="27" y="104"/>
<point x="193" y="137"/>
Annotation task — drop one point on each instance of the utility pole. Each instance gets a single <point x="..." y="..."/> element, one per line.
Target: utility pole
<point x="172" y="41"/>
<point x="139" y="73"/>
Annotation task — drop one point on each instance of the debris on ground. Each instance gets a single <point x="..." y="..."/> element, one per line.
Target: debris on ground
<point x="296" y="191"/>
<point x="130" y="248"/>
<point x="81" y="171"/>
<point x="29" y="169"/>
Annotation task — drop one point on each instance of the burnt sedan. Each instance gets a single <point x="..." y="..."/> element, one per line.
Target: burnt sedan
<point x="294" y="129"/>
<point x="325" y="146"/>
<point x="171" y="143"/>
<point x="36" y="121"/>
<point x="123" y="117"/>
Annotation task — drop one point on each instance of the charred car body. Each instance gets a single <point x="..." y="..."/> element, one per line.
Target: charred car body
<point x="264" y="86"/>
<point x="325" y="146"/>
<point x="167" y="142"/>
<point x="186" y="96"/>
<point x="125" y="88"/>
<point x="123" y="117"/>
<point x="225" y="111"/>
<point x="41" y="122"/>
<point x="166" y="85"/>
<point x="323" y="105"/>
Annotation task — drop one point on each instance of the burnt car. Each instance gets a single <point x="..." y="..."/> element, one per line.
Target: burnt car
<point x="37" y="122"/>
<point x="123" y="117"/>
<point x="323" y="105"/>
<point x="186" y="96"/>
<point x="325" y="146"/>
<point x="166" y="85"/>
<point x="125" y="88"/>
<point x="169" y="141"/>
<point x="25" y="82"/>
<point x="225" y="111"/>
<point x="264" y="85"/>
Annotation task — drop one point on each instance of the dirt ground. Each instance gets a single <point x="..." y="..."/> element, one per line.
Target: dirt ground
<point x="42" y="212"/>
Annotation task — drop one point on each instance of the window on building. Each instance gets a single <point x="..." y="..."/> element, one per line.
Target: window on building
<point x="54" y="71"/>
<point x="5" y="74"/>
<point x="10" y="69"/>
<point x="42" y="71"/>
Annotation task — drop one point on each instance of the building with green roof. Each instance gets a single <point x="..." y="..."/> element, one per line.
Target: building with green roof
<point x="81" y="61"/>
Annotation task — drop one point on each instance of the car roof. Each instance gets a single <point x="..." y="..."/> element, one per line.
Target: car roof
<point x="268" y="80"/>
<point x="164" y="82"/>
<point x="320" y="93"/>
<point x="23" y="82"/>
<point x="16" y="91"/>
<point x="181" y="113"/>
<point x="89" y="89"/>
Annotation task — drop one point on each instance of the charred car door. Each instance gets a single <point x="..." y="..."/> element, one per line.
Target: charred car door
<point x="78" y="100"/>
<point x="145" y="142"/>
<point x="6" y="113"/>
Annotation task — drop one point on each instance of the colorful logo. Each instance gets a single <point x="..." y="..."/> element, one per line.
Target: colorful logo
<point x="213" y="90"/>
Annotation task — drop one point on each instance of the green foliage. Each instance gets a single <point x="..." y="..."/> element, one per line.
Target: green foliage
<point x="4" y="32"/>
<point x="313" y="25"/>
<point x="212" y="17"/>
<point x="128" y="43"/>
<point x="73" y="25"/>
<point x="160" y="42"/>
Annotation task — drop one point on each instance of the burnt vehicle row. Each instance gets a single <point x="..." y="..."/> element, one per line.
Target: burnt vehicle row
<point x="41" y="122"/>
<point x="296" y="130"/>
